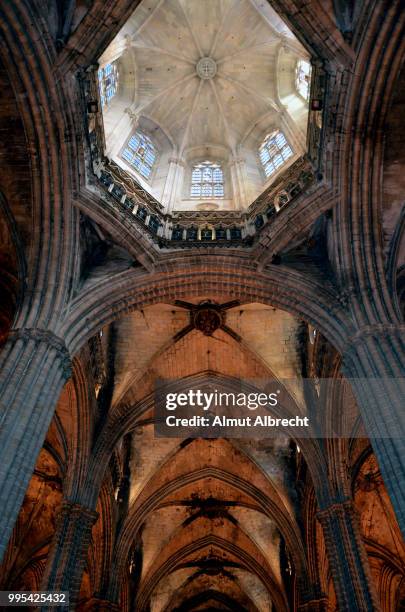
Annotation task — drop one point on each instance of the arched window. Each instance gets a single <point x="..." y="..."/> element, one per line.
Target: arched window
<point x="108" y="83"/>
<point x="303" y="78"/>
<point x="274" y="152"/>
<point x="140" y="152"/>
<point x="207" y="180"/>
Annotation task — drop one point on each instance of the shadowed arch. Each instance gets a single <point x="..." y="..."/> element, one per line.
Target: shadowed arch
<point x="45" y="112"/>
<point x="247" y="561"/>
<point x="278" y="287"/>
<point x="270" y="504"/>
<point x="213" y="595"/>
<point x="127" y="416"/>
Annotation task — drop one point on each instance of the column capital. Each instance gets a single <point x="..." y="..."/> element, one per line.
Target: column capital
<point x="365" y="332"/>
<point x="347" y="556"/>
<point x="42" y="336"/>
<point x="67" y="553"/>
<point x="336" y="507"/>
<point x="76" y="510"/>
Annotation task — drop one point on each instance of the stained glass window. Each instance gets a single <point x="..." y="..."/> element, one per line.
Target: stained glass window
<point x="108" y="83"/>
<point x="274" y="152"/>
<point x="207" y="180"/>
<point x="140" y="152"/>
<point x="303" y="78"/>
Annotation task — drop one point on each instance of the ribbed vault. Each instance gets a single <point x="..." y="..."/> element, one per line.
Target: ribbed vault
<point x="204" y="80"/>
<point x="119" y="518"/>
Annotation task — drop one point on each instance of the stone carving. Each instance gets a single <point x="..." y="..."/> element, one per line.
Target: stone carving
<point x="207" y="320"/>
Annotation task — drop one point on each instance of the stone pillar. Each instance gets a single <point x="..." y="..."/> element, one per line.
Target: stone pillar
<point x="67" y="555"/>
<point x="169" y="190"/>
<point x="238" y="170"/>
<point x="34" y="366"/>
<point x="374" y="363"/>
<point x="347" y="558"/>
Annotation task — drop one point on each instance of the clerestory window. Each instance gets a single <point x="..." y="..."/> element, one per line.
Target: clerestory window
<point x="140" y="153"/>
<point x="274" y="152"/>
<point x="303" y="78"/>
<point x="207" y="180"/>
<point x="108" y="83"/>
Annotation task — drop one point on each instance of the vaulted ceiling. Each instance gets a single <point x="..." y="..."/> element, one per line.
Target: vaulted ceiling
<point x="222" y="506"/>
<point x="205" y="79"/>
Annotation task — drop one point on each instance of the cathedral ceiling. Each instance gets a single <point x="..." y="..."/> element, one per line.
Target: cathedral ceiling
<point x="265" y="342"/>
<point x="168" y="40"/>
<point x="204" y="80"/>
<point x="224" y="535"/>
<point x="213" y="516"/>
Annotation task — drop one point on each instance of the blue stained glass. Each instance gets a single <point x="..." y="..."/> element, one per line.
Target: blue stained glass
<point x="140" y="153"/>
<point x="217" y="175"/>
<point x="274" y="152"/>
<point x="207" y="180"/>
<point x="207" y="174"/>
<point x="206" y="190"/>
<point x="108" y="83"/>
<point x="127" y="155"/>
<point x="218" y="190"/>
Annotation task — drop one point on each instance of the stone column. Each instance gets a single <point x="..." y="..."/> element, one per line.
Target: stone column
<point x="169" y="191"/>
<point x="237" y="171"/>
<point x="347" y="558"/>
<point x="374" y="363"/>
<point x="34" y="366"/>
<point x="67" y="555"/>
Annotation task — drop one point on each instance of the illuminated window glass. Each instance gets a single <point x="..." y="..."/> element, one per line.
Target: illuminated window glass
<point x="274" y="152"/>
<point x="140" y="153"/>
<point x="207" y="180"/>
<point x="108" y="83"/>
<point x="303" y="78"/>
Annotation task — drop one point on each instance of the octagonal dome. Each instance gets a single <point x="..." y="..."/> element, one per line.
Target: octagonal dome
<point x="205" y="103"/>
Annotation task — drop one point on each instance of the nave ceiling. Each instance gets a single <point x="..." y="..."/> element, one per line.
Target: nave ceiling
<point x="246" y="555"/>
